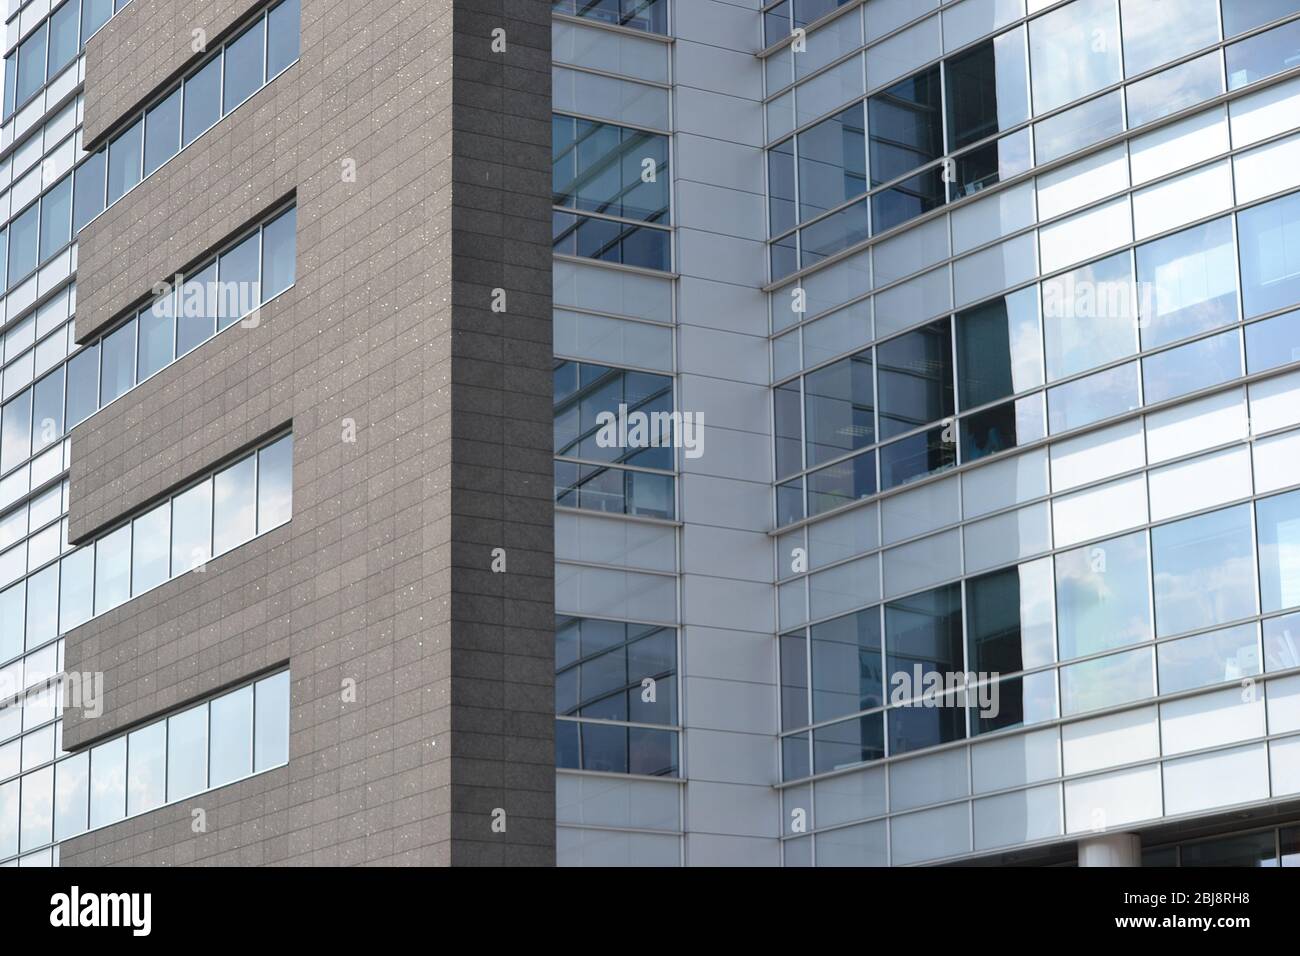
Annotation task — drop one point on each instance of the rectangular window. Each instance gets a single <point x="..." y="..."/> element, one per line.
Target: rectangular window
<point x="279" y="253"/>
<point x="237" y="281"/>
<point x="1278" y="521"/>
<point x="83" y="384"/>
<point x="31" y="66"/>
<point x="1107" y="681"/>
<point x="63" y="37"/>
<point x="1102" y="596"/>
<point x="650" y="16"/>
<point x="915" y="379"/>
<point x="56" y="218"/>
<point x="1269" y="235"/>
<point x="117" y="369"/>
<point x="1258" y="57"/>
<point x="849" y="743"/>
<point x="923" y="635"/>
<point x="88" y="197"/>
<point x="157" y="332"/>
<point x="187" y="753"/>
<point x="244" y="66"/>
<point x="1228" y="655"/>
<point x="987" y="89"/>
<point x="604" y="168"/>
<point x="113" y="569"/>
<point x="275" y="484"/>
<point x="231" y="737"/>
<point x="780" y="187"/>
<point x="1073" y="51"/>
<point x="282" y="38"/>
<point x="839" y="405"/>
<point x="202" y="101"/>
<point x="847" y="671"/>
<point x="1088" y="316"/>
<point x="147" y="758"/>
<point x="1204" y="571"/>
<point x="151" y="560"/>
<point x="906" y="126"/>
<point x="196" y="309"/>
<point x="108" y="783"/>
<point x="1155" y="33"/>
<point x="1187" y="368"/>
<point x="841" y="483"/>
<point x="162" y="132"/>
<point x="234" y="501"/>
<point x="124" y="158"/>
<point x="23" y="249"/>
<point x="1187" y="283"/>
<point x="999" y="349"/>
<point x="94" y="14"/>
<point x="1009" y="619"/>
<point x="192" y="528"/>
<point x="832" y="162"/>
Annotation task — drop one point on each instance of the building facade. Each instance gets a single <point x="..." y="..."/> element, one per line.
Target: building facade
<point x="920" y="485"/>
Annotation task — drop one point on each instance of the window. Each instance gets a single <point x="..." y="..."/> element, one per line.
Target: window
<point x="1269" y="235"/>
<point x="56" y="218"/>
<point x="274" y="484"/>
<point x="999" y="349"/>
<point x="196" y="309"/>
<point x="150" y="564"/>
<point x="787" y="415"/>
<point x="239" y="293"/>
<point x="1155" y="33"/>
<point x="108" y="782"/>
<point x="841" y="483"/>
<point x="71" y="783"/>
<point x="192" y="527"/>
<point x="1190" y="367"/>
<point x="1107" y="681"/>
<point x="244" y="66"/>
<point x="187" y="753"/>
<point x="47" y="410"/>
<point x="1175" y="89"/>
<point x="147" y="759"/>
<point x="1242" y="15"/>
<point x="1273" y="342"/>
<point x="124" y="159"/>
<point x="608" y="670"/>
<point x="63" y="37"/>
<point x="1102" y="596"/>
<point x="1088" y="317"/>
<point x="1091" y="399"/>
<point x="794" y="681"/>
<point x="610" y="241"/>
<point x="906" y="131"/>
<point x="94" y="14"/>
<point x="915" y="379"/>
<point x="162" y="132"/>
<point x="922" y="636"/>
<point x="16" y="431"/>
<point x="1015" y="702"/>
<point x="23" y="251"/>
<point x="1002" y="427"/>
<point x="282" y="37"/>
<point x="1204" y="571"/>
<point x="88" y="197"/>
<point x="589" y="402"/>
<point x="271" y="727"/>
<point x="1187" y="283"/>
<point x="1009" y="619"/>
<point x="986" y="89"/>
<point x="780" y="181"/>
<point x="1227" y="655"/>
<point x="117" y="372"/>
<point x="648" y="15"/>
<point x="231" y="737"/>
<point x="31" y="66"/>
<point x="1073" y="51"/>
<point x="1262" y="55"/>
<point x="603" y="168"/>
<point x="279" y="252"/>
<point x="157" y="332"/>
<point x="234" y="503"/>
<point x="849" y="742"/>
<point x="835" y="233"/>
<point x="202" y="101"/>
<point x="832" y="162"/>
<point x="847" y="674"/>
<point x="83" y="384"/>
<point x="1278" y="521"/>
<point x="113" y="569"/>
<point x="839" y="406"/>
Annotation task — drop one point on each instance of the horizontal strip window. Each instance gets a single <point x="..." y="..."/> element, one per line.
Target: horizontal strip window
<point x="649" y="16"/>
<point x="207" y="519"/>
<point x="823" y="166"/>
<point x="609" y="414"/>
<point x="1273" y="847"/>
<point x="608" y="240"/>
<point x="609" y="670"/>
<point x="51" y="47"/>
<point x="233" y="736"/>
<point x="608" y="169"/>
<point x="242" y="66"/>
<point x="226" y="289"/>
<point x="1137" y="302"/>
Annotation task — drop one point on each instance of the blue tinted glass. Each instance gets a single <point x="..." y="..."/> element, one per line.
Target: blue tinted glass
<point x="832" y="162"/>
<point x="83" y="384"/>
<point x="1102" y="598"/>
<point x="63" y="36"/>
<point x="922" y="724"/>
<point x="202" y="101"/>
<point x="923" y="636"/>
<point x="1273" y="342"/>
<point x="31" y="66"/>
<point x="1013" y="702"/>
<point x="849" y="742"/>
<point x="1073" y="51"/>
<point x="1190" y="367"/>
<point x="1187" y="283"/>
<point x="915" y="375"/>
<point x="283" y="36"/>
<point x="94" y="14"/>
<point x="1263" y="55"/>
<point x="162" y="132"/>
<point x="244" y="65"/>
<point x="1204" y="571"/>
<point x="847" y="673"/>
<point x="1175" y="89"/>
<point x="1242" y="15"/>
<point x="56" y="218"/>
<point x="1269" y="235"/>
<point x="117" y="371"/>
<point x="1278" y="521"/>
<point x="1093" y="398"/>
<point x="124" y="157"/>
<point x="841" y="483"/>
<point x="157" y="325"/>
<point x="279" y="254"/>
<point x="780" y="182"/>
<point x="88" y="199"/>
<point x="916" y="456"/>
<point x="833" y="234"/>
<point x="1230" y="654"/>
<point x="1078" y="127"/>
<point x="22" y="245"/>
<point x="1088" y="316"/>
<point x="839" y="402"/>
<point x="47" y="410"/>
<point x="986" y="89"/>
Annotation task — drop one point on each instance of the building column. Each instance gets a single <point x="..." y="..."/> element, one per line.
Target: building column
<point x="1113" y="849"/>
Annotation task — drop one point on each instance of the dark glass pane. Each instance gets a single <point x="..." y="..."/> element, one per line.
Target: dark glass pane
<point x="162" y="132"/>
<point x="916" y="376"/>
<point x="794" y="681"/>
<point x="987" y="89"/>
<point x="999" y="349"/>
<point x="196" y="309"/>
<point x="1012" y="702"/>
<point x="839" y="404"/>
<point x="47" y="410"/>
<point x="927" y="723"/>
<point x="22" y="244"/>
<point x="922" y="636"/>
<point x="1002" y="427"/>
<point x="88" y="197"/>
<point x="238" y="282"/>
<point x="789" y="434"/>
<point x="157" y="326"/>
<point x="906" y="126"/>
<point x="776" y="23"/>
<point x="94" y="14"/>
<point x="847" y="672"/>
<point x="842" y="482"/>
<point x="117" y="365"/>
<point x="1248" y="849"/>
<point x="31" y="66"/>
<point x="600" y="167"/>
<point x="202" y="101"/>
<point x="832" y="162"/>
<point x="918" y="455"/>
<point x="63" y="36"/>
<point x="990" y="164"/>
<point x="833" y="234"/>
<point x="282" y="39"/>
<point x="789" y="502"/>
<point x="795" y="763"/>
<point x="244" y="63"/>
<point x="849" y="742"/>
<point x="279" y="254"/>
<point x="780" y="182"/>
<point x="83" y="384"/>
<point x="907" y="200"/>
